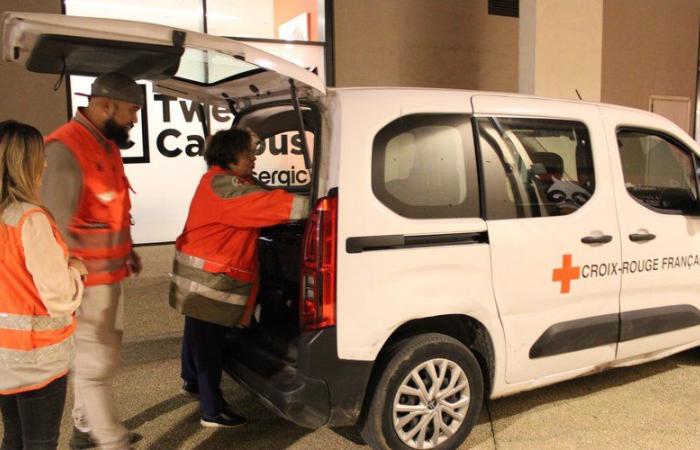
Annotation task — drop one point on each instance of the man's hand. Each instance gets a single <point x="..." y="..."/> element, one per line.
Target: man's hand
<point x="133" y="262"/>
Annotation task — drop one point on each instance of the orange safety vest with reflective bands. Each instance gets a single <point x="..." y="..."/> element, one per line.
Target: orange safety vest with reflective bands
<point x="215" y="273"/>
<point x="99" y="231"/>
<point x="35" y="349"/>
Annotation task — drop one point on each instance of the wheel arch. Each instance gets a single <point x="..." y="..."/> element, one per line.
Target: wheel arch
<point x="466" y="329"/>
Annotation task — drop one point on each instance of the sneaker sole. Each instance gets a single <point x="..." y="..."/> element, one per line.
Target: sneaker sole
<point x="205" y="424"/>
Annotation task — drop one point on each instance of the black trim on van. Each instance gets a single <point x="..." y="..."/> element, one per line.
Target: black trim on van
<point x="77" y="55"/>
<point x="575" y="335"/>
<point x="607" y="329"/>
<point x="394" y="241"/>
<point x="648" y="322"/>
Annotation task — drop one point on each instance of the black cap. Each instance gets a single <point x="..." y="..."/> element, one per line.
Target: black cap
<point x="117" y="86"/>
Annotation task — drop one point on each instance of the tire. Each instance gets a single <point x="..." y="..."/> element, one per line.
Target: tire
<point x="407" y="360"/>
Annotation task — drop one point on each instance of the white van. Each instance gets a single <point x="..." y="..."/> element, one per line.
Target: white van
<point x="461" y="245"/>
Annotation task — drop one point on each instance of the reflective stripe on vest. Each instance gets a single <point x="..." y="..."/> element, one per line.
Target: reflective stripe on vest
<point x="191" y="275"/>
<point x="209" y="296"/>
<point x="60" y="351"/>
<point x="92" y="239"/>
<point x="28" y="371"/>
<point x="206" y="265"/>
<point x="33" y="323"/>
<point x="205" y="291"/>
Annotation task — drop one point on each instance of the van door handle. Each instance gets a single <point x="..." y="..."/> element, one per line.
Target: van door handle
<point x="641" y="237"/>
<point x="602" y="239"/>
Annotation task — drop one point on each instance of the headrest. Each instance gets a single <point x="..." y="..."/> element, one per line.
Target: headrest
<point x="552" y="162"/>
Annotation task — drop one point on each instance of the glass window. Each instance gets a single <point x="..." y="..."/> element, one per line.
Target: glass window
<point x="186" y="14"/>
<point x="535" y="167"/>
<point x="658" y="172"/>
<point x="299" y="20"/>
<point x="423" y="166"/>
<point x="210" y="67"/>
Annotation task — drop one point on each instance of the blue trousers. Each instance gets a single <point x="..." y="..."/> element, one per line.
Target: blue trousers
<point x="203" y="346"/>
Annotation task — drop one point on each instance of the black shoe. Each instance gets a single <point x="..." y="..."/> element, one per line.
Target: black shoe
<point x="226" y="419"/>
<point x="82" y="440"/>
<point x="190" y="389"/>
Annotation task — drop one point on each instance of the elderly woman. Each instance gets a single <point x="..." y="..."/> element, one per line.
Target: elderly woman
<point x="215" y="276"/>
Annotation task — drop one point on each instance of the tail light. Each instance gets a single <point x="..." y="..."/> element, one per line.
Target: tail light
<point x="317" y="301"/>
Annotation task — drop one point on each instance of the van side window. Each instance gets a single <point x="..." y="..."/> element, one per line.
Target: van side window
<point x="424" y="166"/>
<point x="535" y="167"/>
<point x="658" y="171"/>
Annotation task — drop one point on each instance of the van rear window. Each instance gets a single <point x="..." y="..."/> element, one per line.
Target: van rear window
<point x="423" y="166"/>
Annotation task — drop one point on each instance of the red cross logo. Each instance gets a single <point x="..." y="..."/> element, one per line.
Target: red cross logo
<point x="566" y="273"/>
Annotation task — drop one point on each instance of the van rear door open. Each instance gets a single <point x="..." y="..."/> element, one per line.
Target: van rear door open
<point x="181" y="63"/>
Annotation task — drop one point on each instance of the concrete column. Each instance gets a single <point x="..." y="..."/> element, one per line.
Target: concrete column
<point x="561" y="48"/>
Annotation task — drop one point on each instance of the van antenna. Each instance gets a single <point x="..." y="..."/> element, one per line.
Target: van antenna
<point x="579" y="95"/>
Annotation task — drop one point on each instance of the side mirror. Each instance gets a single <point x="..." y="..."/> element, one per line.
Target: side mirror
<point x="680" y="199"/>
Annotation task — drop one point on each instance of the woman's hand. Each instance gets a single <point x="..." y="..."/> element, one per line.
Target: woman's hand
<point x="79" y="265"/>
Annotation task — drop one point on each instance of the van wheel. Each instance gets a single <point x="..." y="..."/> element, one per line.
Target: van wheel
<point x="428" y="397"/>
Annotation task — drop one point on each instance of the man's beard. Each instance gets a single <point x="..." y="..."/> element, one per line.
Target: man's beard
<point x="117" y="133"/>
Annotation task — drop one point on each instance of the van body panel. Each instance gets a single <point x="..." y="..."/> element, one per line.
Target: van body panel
<point x="378" y="291"/>
<point x="669" y="282"/>
<point x="327" y="177"/>
<point x="527" y="252"/>
<point x="502" y="389"/>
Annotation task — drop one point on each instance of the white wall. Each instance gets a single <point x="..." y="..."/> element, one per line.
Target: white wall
<point x="249" y="18"/>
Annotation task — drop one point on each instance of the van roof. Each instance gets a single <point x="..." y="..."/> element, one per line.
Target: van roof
<point x="396" y="90"/>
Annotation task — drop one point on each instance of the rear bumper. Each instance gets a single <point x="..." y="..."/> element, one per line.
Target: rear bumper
<point x="318" y="389"/>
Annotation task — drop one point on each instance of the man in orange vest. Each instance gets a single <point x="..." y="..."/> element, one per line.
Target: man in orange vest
<point x="85" y="189"/>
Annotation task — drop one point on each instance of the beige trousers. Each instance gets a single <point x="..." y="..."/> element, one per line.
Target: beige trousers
<point x="98" y="342"/>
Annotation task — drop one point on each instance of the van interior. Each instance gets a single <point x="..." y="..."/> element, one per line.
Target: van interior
<point x="276" y="322"/>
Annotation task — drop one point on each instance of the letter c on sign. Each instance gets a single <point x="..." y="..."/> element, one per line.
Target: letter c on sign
<point x="160" y="142"/>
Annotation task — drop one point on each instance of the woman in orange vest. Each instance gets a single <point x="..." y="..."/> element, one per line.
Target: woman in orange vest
<point x="41" y="288"/>
<point x="215" y="274"/>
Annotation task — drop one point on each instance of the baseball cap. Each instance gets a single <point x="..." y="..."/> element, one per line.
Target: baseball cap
<point x="117" y="86"/>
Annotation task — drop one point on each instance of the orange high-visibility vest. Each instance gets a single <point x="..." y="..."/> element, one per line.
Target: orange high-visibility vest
<point x="224" y="231"/>
<point x="99" y="231"/>
<point x="35" y="349"/>
<point x="219" y="246"/>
